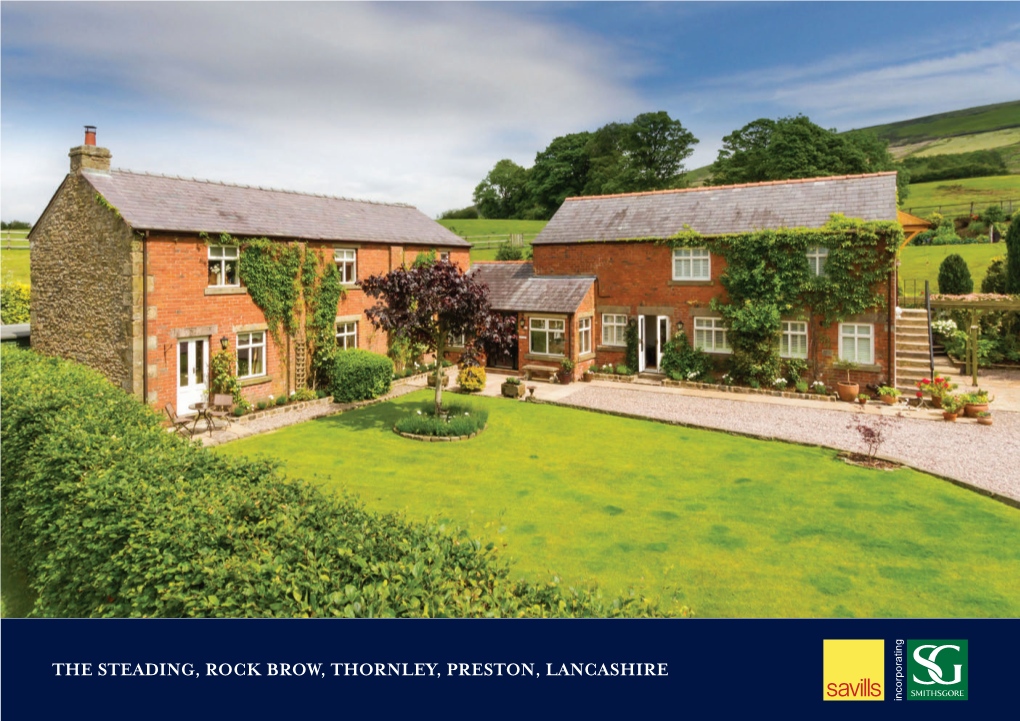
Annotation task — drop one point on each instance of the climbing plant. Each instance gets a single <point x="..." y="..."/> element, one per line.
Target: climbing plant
<point x="630" y="336"/>
<point x="269" y="271"/>
<point x="767" y="278"/>
<point x="223" y="379"/>
<point x="322" y="290"/>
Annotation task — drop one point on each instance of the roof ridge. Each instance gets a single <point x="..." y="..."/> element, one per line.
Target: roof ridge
<point x="730" y="187"/>
<point x="259" y="187"/>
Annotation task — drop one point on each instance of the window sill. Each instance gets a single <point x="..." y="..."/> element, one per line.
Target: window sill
<point x="689" y="282"/>
<point x="611" y="348"/>
<point x="225" y="290"/>
<point x="350" y="286"/>
<point x="255" y="381"/>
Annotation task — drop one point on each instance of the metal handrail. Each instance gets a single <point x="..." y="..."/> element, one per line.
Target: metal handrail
<point x="931" y="344"/>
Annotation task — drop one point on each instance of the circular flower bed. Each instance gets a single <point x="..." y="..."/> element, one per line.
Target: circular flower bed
<point x="456" y="422"/>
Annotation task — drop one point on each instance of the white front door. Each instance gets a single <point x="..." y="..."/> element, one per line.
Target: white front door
<point x="192" y="373"/>
<point x="641" y="344"/>
<point x="661" y="339"/>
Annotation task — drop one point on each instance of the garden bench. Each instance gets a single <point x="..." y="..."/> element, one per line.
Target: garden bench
<point x="528" y="370"/>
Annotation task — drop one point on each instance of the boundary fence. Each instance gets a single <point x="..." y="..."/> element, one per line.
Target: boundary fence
<point x="485" y="242"/>
<point x="1008" y="205"/>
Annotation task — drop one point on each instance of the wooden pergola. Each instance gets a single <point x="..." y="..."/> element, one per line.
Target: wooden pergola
<point x="976" y="305"/>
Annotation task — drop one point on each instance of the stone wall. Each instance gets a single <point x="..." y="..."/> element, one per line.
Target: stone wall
<point x="83" y="256"/>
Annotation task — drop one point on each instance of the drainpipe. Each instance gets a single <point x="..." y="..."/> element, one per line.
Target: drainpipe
<point x="145" y="319"/>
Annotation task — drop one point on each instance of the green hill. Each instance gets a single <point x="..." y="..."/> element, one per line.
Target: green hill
<point x="970" y="121"/>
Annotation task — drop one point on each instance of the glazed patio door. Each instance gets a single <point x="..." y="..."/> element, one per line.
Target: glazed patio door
<point x="661" y="338"/>
<point x="641" y="344"/>
<point x="192" y="373"/>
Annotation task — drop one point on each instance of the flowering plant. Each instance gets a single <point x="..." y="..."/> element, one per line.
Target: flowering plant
<point x="818" y="387"/>
<point x="944" y="327"/>
<point x="727" y="379"/>
<point x="937" y="387"/>
<point x="779" y="383"/>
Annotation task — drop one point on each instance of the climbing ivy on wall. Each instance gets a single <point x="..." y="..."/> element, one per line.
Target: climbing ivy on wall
<point x="322" y="289"/>
<point x="269" y="271"/>
<point x="767" y="277"/>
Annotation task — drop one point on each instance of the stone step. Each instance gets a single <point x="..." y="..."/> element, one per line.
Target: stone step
<point x="912" y="347"/>
<point x="912" y="326"/>
<point x="919" y="354"/>
<point x="911" y="364"/>
<point x="912" y="336"/>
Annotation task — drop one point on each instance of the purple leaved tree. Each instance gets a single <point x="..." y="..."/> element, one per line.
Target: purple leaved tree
<point x="430" y="303"/>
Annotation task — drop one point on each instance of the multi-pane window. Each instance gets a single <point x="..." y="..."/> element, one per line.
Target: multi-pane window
<point x="456" y="341"/>
<point x="793" y="341"/>
<point x="347" y="263"/>
<point x="547" y="336"/>
<point x="816" y="257"/>
<point x="347" y="335"/>
<point x="223" y="265"/>
<point x="444" y="256"/>
<point x="857" y="343"/>
<point x="584" y="336"/>
<point x="711" y="335"/>
<point x="251" y="354"/>
<point x="692" y="264"/>
<point x="613" y="329"/>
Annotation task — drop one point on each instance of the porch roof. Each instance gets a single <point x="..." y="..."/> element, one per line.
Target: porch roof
<point x="514" y="287"/>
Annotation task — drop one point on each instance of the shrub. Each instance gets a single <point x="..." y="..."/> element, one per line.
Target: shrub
<point x="995" y="278"/>
<point x="14" y="302"/>
<point x="954" y="276"/>
<point x="679" y="358"/>
<point x="622" y="370"/>
<point x="471" y="379"/>
<point x="239" y="411"/>
<point x="110" y="515"/>
<point x="802" y="387"/>
<point x="304" y="394"/>
<point x="357" y="375"/>
<point x="261" y="405"/>
<point x="993" y="214"/>
<point x="509" y="252"/>
<point x="457" y="420"/>
<point x="281" y="400"/>
<point x="1013" y="255"/>
<point x="468" y="213"/>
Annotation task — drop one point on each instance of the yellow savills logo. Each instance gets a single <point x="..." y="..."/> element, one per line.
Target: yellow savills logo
<point x="853" y="670"/>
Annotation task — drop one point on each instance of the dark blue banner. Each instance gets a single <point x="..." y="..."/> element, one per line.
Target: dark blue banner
<point x="501" y="669"/>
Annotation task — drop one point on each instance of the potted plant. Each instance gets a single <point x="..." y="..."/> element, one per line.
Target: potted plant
<point x="432" y="380"/>
<point x="513" y="388"/>
<point x="951" y="406"/>
<point x="847" y="391"/>
<point x="863" y="398"/>
<point x="589" y="375"/>
<point x="566" y="372"/>
<point x="984" y="418"/>
<point x="975" y="403"/>
<point x="889" y="395"/>
<point x="937" y="387"/>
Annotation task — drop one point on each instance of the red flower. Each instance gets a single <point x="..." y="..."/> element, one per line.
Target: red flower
<point x="920" y="394"/>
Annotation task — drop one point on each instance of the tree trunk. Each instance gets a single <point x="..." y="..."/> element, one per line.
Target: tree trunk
<point x="440" y="343"/>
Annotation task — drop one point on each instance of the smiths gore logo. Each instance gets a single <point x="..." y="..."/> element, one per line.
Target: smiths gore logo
<point x="853" y="669"/>
<point x="937" y="670"/>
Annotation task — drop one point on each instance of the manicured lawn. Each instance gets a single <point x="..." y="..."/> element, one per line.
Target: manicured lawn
<point x="466" y="228"/>
<point x="731" y="526"/>
<point x="956" y="193"/>
<point x="14" y="265"/>
<point x="920" y="262"/>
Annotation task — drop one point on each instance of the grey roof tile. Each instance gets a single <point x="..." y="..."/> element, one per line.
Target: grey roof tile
<point x="515" y="287"/>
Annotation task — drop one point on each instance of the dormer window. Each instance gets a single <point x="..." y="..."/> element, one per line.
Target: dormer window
<point x="223" y="266"/>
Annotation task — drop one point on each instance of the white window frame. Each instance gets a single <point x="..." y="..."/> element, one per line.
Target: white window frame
<point x="549" y="333"/>
<point x="456" y="341"/>
<point x="686" y="258"/>
<point x="225" y="254"/>
<point x="712" y="326"/>
<point x="445" y="255"/>
<point x="343" y="335"/>
<point x="584" y="332"/>
<point x="817" y="255"/>
<point x="856" y="335"/>
<point x="250" y="345"/>
<point x="343" y="256"/>
<point x="791" y="329"/>
<point x="613" y="321"/>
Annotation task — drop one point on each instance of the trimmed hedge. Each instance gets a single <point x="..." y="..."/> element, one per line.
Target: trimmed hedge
<point x="954" y="276"/>
<point x="15" y="299"/>
<point x="111" y="515"/>
<point x="357" y="375"/>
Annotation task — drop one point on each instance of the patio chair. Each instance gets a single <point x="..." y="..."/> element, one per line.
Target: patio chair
<point x="221" y="407"/>
<point x="180" y="424"/>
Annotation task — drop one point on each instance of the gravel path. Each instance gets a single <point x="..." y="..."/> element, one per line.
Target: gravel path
<point x="986" y="457"/>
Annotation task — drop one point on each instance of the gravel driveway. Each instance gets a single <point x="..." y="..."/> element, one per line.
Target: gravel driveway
<point x="986" y="457"/>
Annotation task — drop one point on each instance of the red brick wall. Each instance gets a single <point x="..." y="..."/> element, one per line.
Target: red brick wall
<point x="639" y="275"/>
<point x="178" y="273"/>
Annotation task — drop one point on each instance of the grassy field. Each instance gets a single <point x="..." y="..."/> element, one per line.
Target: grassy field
<point x="956" y="193"/>
<point x="467" y="228"/>
<point x="968" y="143"/>
<point x="957" y="122"/>
<point x="14" y="265"/>
<point x="730" y="525"/>
<point x="921" y="262"/>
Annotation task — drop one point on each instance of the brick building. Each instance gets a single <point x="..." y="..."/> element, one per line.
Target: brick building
<point x="124" y="281"/>
<point x="667" y="290"/>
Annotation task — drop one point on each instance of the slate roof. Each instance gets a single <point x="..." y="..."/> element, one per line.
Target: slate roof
<point x="515" y="287"/>
<point x="723" y="209"/>
<point x="159" y="202"/>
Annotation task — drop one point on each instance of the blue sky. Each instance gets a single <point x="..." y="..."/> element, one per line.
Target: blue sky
<point x="415" y="102"/>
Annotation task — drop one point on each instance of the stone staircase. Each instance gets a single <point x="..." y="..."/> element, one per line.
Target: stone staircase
<point x="912" y="349"/>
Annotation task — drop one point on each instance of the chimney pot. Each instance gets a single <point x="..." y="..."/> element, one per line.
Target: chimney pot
<point x="88" y="156"/>
<point x="90" y="135"/>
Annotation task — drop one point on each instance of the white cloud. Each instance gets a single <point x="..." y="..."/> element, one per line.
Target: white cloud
<point x="387" y="102"/>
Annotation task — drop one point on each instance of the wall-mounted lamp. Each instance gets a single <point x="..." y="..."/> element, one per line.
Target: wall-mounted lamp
<point x="224" y="342"/>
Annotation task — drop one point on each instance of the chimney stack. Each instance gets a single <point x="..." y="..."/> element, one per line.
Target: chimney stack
<point x="88" y="156"/>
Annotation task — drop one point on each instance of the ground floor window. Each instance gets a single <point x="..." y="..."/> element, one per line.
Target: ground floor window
<point x="614" y="329"/>
<point x="347" y="335"/>
<point x="584" y="336"/>
<point x="251" y="354"/>
<point x="857" y="343"/>
<point x="711" y="335"/>
<point x="793" y="341"/>
<point x="456" y="341"/>
<point x="547" y="336"/>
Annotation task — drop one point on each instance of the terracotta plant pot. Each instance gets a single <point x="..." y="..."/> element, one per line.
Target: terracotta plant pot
<point x="588" y="377"/>
<point x="949" y="416"/>
<point x="848" y="391"/>
<point x="513" y="391"/>
<point x="432" y="381"/>
<point x="564" y="377"/>
<point x="971" y="410"/>
<point x="890" y="400"/>
<point x="985" y="421"/>
<point x="936" y="401"/>
<point x="862" y="401"/>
